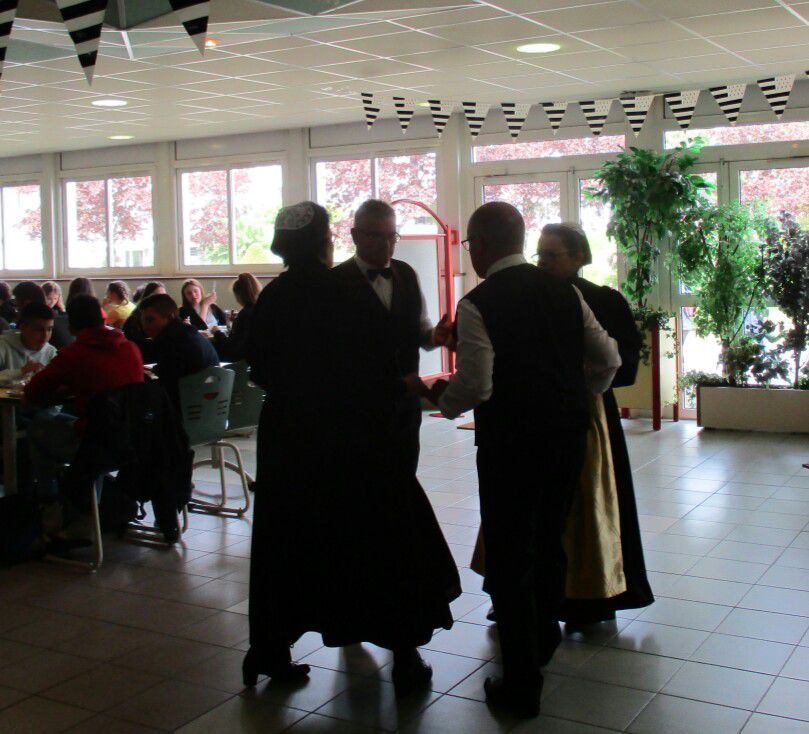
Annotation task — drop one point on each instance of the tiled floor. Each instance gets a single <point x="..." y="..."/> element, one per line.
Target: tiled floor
<point x="154" y="641"/>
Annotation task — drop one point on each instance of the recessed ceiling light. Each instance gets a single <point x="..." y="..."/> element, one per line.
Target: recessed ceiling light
<point x="119" y="137"/>
<point x="211" y="42"/>
<point x="109" y="103"/>
<point x="538" y="48"/>
<point x="423" y="104"/>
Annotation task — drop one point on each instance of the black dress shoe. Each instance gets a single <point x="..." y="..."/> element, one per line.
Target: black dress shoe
<point x="413" y="675"/>
<point x="287" y="672"/>
<point x="520" y="700"/>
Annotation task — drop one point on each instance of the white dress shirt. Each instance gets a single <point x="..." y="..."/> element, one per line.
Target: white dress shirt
<point x="383" y="287"/>
<point x="472" y="384"/>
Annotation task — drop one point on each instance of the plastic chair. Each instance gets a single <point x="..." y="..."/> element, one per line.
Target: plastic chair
<point x="205" y="404"/>
<point x="245" y="403"/>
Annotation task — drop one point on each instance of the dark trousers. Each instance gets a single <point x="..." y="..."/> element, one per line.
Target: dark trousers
<point x="525" y="495"/>
<point x="406" y="428"/>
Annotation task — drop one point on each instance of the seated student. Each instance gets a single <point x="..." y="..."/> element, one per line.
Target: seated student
<point x="25" y="352"/>
<point x="117" y="304"/>
<point x="29" y="292"/>
<point x="99" y="360"/>
<point x="232" y="347"/>
<point x="199" y="308"/>
<point x="53" y="296"/>
<point x="179" y="349"/>
<point x="8" y="314"/>
<point x="133" y="329"/>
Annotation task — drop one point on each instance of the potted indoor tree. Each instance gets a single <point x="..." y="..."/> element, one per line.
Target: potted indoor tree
<point x="724" y="263"/>
<point x="651" y="194"/>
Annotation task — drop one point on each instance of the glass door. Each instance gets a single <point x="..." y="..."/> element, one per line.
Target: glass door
<point x="540" y="199"/>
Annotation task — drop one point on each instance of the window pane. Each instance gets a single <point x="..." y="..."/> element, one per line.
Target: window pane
<point x="341" y="187"/>
<point x="205" y="218"/>
<point x="741" y="134"/>
<point x="594" y="217"/>
<point x="779" y="189"/>
<point x="86" y="206"/>
<point x="698" y="353"/>
<point x="132" y="227"/>
<point x="549" y="148"/>
<point x="540" y="202"/>
<point x="409" y="177"/>
<point x="256" y="201"/>
<point x="22" y="228"/>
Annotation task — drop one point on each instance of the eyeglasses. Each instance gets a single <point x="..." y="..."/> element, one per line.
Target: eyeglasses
<point x="389" y="236"/>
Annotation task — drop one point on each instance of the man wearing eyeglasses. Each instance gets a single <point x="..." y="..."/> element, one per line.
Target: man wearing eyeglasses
<point x="393" y="314"/>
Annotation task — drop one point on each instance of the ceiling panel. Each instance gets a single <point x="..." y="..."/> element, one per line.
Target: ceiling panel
<point x="272" y="69"/>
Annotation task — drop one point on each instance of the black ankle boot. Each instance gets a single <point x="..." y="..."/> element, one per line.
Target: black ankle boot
<point x="410" y="673"/>
<point x="286" y="671"/>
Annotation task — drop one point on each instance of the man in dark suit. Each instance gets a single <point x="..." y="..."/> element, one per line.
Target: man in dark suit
<point x="528" y="348"/>
<point x="391" y="310"/>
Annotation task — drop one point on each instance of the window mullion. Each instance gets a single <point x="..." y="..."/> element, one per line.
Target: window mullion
<point x="108" y="214"/>
<point x="231" y="219"/>
<point x="374" y="190"/>
<point x="2" y="229"/>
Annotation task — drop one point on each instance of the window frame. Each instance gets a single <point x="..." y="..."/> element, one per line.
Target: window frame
<point x="218" y="164"/>
<point x="64" y="270"/>
<point x="47" y="250"/>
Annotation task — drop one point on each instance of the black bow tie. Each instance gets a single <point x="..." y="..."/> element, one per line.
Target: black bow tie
<point x="374" y="273"/>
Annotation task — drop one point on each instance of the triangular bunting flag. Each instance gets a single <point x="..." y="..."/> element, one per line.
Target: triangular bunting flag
<point x="475" y="113"/>
<point x="193" y="14"/>
<point x="83" y="20"/>
<point x="595" y="112"/>
<point x="777" y="89"/>
<point x="8" y="9"/>
<point x="405" y="109"/>
<point x="441" y="112"/>
<point x="637" y="109"/>
<point x="371" y="108"/>
<point x="555" y="112"/>
<point x="729" y="98"/>
<point x="682" y="106"/>
<point x="515" y="116"/>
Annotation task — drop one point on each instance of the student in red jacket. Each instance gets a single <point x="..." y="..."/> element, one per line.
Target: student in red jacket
<point x="101" y="359"/>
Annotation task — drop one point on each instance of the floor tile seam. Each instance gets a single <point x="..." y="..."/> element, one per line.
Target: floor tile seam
<point x="25" y="697"/>
<point x="122" y="717"/>
<point x="750" y="711"/>
<point x="573" y="673"/>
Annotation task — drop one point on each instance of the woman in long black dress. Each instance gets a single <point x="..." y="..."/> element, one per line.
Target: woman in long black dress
<point x="563" y="249"/>
<point x="341" y="544"/>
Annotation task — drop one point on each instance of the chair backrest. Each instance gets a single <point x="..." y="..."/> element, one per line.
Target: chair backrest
<point x="205" y="403"/>
<point x="247" y="399"/>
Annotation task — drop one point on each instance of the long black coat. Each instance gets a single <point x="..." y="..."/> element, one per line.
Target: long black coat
<point x="342" y="545"/>
<point x="613" y="313"/>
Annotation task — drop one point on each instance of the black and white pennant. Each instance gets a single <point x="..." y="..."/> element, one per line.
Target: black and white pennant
<point x="475" y="113"/>
<point x="83" y="20"/>
<point x="193" y="14"/>
<point x="777" y="90"/>
<point x="515" y="114"/>
<point x="8" y="9"/>
<point x="555" y="111"/>
<point x="682" y="106"/>
<point x="595" y="112"/>
<point x="441" y="112"/>
<point x="371" y="107"/>
<point x="729" y="97"/>
<point x="405" y="109"/>
<point x="637" y="110"/>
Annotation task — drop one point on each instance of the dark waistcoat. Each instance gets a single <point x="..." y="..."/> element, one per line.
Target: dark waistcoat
<point x="396" y="330"/>
<point x="535" y="325"/>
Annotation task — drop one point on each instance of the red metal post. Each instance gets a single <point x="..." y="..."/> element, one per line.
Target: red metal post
<point x="656" y="406"/>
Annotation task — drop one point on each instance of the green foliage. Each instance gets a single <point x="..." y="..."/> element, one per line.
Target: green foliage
<point x="748" y="356"/>
<point x="690" y="381"/>
<point x="720" y="262"/>
<point x="786" y="272"/>
<point x="651" y="194"/>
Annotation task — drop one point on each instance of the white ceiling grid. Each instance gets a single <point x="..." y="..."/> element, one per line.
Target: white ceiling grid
<point x="260" y="77"/>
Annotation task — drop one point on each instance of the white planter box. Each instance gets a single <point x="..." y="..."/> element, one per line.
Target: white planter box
<point x="753" y="409"/>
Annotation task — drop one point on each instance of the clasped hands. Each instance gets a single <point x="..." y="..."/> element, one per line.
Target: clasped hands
<point x="418" y="388"/>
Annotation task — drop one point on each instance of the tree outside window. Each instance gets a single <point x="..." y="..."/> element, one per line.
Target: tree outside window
<point x="109" y="223"/>
<point x="21" y="228"/>
<point x="343" y="185"/>
<point x="229" y="215"/>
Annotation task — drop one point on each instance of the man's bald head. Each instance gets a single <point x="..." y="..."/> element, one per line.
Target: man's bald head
<point x="495" y="230"/>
